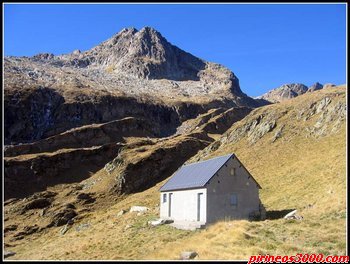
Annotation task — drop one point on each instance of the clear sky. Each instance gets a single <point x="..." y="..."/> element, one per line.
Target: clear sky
<point x="265" y="45"/>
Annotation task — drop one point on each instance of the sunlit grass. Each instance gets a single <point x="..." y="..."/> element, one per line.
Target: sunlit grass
<point x="295" y="172"/>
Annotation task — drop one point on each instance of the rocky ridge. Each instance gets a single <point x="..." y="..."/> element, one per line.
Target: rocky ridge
<point x="289" y="91"/>
<point x="313" y="115"/>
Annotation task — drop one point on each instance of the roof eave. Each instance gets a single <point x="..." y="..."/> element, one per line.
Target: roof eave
<point x="184" y="189"/>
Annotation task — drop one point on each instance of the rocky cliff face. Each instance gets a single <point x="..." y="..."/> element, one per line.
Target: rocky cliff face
<point x="134" y="73"/>
<point x="33" y="114"/>
<point x="88" y="136"/>
<point x="74" y="155"/>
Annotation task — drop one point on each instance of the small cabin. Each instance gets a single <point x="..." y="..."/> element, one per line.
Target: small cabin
<point x="211" y="190"/>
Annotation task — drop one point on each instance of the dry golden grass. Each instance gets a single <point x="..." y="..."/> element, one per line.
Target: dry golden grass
<point x="106" y="238"/>
<point x="214" y="136"/>
<point x="295" y="172"/>
<point x="302" y="174"/>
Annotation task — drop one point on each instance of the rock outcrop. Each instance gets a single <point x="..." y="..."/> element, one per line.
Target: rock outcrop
<point x="314" y="115"/>
<point x="289" y="91"/>
<point x="316" y="86"/>
<point x="139" y="168"/>
<point x="88" y="136"/>
<point x="285" y="92"/>
<point x="26" y="174"/>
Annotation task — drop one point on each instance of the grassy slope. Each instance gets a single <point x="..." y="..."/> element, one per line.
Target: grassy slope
<point x="318" y="179"/>
<point x="296" y="172"/>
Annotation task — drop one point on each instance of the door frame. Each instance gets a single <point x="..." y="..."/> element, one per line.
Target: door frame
<point x="199" y="205"/>
<point x="169" y="204"/>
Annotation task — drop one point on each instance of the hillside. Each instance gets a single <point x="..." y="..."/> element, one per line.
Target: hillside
<point x="296" y="150"/>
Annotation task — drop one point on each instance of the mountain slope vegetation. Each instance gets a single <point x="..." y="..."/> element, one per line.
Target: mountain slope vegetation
<point x="295" y="149"/>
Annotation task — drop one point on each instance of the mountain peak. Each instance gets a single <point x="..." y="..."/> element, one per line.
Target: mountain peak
<point x="127" y="31"/>
<point x="146" y="29"/>
<point x="288" y="91"/>
<point x="144" y="33"/>
<point x="146" y="54"/>
<point x="144" y="62"/>
<point x="316" y="86"/>
<point x="149" y="30"/>
<point x="284" y="92"/>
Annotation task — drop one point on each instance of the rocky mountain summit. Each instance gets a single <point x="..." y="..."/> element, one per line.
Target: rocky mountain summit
<point x="288" y="91"/>
<point x="133" y="62"/>
<point x="134" y="73"/>
<point x="316" y="86"/>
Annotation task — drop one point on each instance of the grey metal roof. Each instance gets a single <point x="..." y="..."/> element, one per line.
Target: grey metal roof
<point x="195" y="174"/>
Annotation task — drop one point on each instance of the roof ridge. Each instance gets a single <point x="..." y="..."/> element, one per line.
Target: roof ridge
<point x="193" y="163"/>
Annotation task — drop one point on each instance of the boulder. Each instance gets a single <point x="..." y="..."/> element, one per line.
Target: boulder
<point x="10" y="228"/>
<point x="121" y="212"/>
<point x="82" y="227"/>
<point x="27" y="230"/>
<point x="160" y="222"/>
<point x="278" y="134"/>
<point x="37" y="204"/>
<point x="293" y="215"/>
<point x="9" y="254"/>
<point x="290" y="214"/>
<point x="188" y="255"/>
<point x="64" y="229"/>
<point x="139" y="209"/>
<point x="86" y="198"/>
<point x="62" y="217"/>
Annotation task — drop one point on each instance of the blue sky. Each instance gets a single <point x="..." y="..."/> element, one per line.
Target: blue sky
<point x="265" y="45"/>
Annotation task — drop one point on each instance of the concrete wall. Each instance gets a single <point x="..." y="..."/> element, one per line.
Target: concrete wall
<point x="223" y="185"/>
<point x="184" y="205"/>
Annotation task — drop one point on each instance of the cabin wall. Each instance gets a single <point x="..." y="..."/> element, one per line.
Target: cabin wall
<point x="184" y="205"/>
<point x="223" y="185"/>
